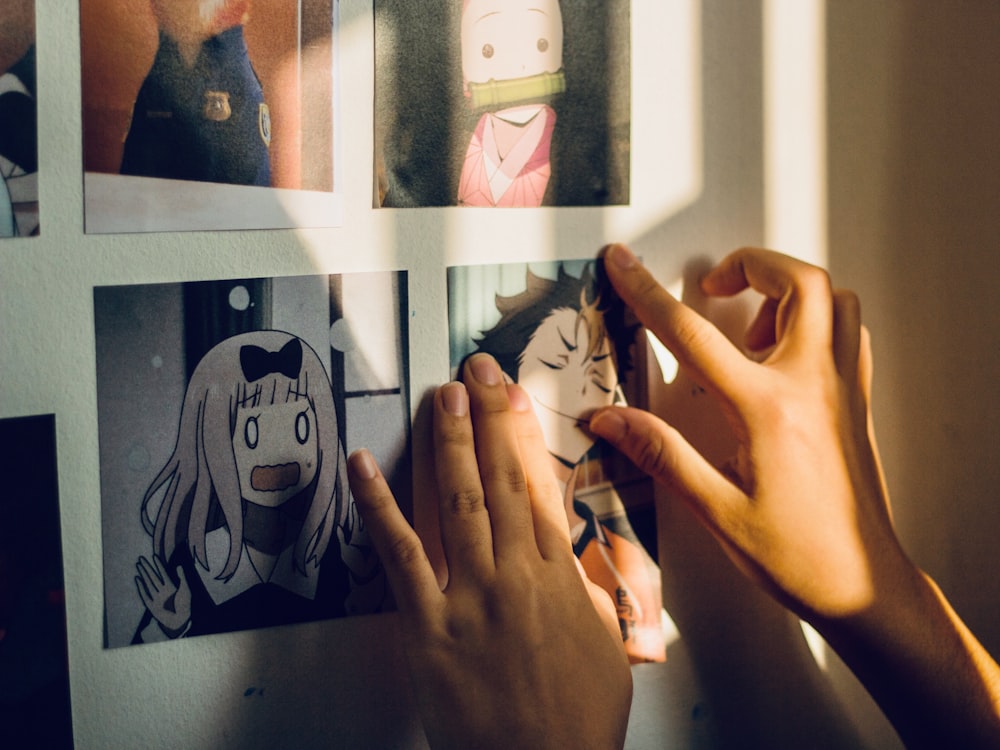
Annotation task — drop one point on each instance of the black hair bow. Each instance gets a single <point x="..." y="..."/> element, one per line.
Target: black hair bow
<point x="257" y="362"/>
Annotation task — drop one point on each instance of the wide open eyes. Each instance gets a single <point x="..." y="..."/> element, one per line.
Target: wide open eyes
<point x="302" y="427"/>
<point x="543" y="45"/>
<point x="488" y="51"/>
<point x="251" y="433"/>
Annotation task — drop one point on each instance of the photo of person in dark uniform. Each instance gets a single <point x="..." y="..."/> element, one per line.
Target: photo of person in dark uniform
<point x="201" y="113"/>
<point x="191" y="107"/>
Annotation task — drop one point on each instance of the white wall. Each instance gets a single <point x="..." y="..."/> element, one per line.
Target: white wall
<point x="911" y="117"/>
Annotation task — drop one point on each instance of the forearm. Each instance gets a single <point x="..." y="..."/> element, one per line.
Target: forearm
<point x="928" y="673"/>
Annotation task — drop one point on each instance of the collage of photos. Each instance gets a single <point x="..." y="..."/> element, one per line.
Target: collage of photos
<point x="226" y="407"/>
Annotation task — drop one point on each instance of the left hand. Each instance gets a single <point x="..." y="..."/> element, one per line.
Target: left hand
<point x="518" y="649"/>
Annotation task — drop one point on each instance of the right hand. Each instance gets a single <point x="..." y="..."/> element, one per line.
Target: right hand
<point x="800" y="506"/>
<point x="168" y="603"/>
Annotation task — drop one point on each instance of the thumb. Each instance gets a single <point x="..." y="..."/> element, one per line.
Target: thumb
<point x="662" y="452"/>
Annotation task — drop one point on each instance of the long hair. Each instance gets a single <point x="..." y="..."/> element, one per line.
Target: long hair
<point x="201" y="475"/>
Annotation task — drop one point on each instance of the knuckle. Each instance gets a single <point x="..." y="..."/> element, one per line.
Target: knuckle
<point x="691" y="334"/>
<point x="402" y="551"/>
<point x="813" y="280"/>
<point x="454" y="434"/>
<point x="508" y="475"/>
<point x="653" y="457"/>
<point x="465" y="502"/>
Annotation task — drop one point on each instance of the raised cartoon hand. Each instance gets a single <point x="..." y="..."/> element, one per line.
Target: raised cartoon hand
<point x="518" y="650"/>
<point x="801" y="507"/>
<point x="168" y="603"/>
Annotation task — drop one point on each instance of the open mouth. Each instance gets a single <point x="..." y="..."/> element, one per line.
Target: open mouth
<point x="274" y="478"/>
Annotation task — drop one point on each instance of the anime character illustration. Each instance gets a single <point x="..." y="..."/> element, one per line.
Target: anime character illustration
<point x="512" y="63"/>
<point x="566" y="341"/>
<point x="255" y="526"/>
<point x="225" y="410"/>
<point x="200" y="113"/>
<point x="18" y="120"/>
<point x="502" y="103"/>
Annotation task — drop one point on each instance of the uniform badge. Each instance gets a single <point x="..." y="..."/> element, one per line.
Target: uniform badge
<point x="216" y="108"/>
<point x="264" y="123"/>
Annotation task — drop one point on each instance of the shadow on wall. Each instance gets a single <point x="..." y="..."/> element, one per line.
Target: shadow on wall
<point x="914" y="179"/>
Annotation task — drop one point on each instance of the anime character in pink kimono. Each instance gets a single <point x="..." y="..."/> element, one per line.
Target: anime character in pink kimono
<point x="512" y="64"/>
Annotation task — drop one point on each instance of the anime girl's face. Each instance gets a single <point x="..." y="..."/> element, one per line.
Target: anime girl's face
<point x="276" y="450"/>
<point x="565" y="382"/>
<point x="509" y="39"/>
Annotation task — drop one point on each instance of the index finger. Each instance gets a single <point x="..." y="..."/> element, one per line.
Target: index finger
<point x="701" y="349"/>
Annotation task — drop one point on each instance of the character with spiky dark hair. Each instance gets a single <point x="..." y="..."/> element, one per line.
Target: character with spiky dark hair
<point x="567" y="343"/>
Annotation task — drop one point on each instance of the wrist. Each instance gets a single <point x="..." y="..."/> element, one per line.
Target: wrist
<point x="926" y="670"/>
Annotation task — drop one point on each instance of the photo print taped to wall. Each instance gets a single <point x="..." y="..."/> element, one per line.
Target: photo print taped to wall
<point x="225" y="411"/>
<point x="502" y="103"/>
<point x="18" y="120"/>
<point x="209" y="114"/>
<point x="559" y="330"/>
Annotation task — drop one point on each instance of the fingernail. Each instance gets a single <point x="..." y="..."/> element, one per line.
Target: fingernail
<point x="622" y="257"/>
<point x="608" y="424"/>
<point x="455" y="399"/>
<point x="363" y="464"/>
<point x="485" y="369"/>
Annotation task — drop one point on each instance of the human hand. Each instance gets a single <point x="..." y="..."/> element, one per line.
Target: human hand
<point x="800" y="507"/>
<point x="169" y="604"/>
<point x="518" y="649"/>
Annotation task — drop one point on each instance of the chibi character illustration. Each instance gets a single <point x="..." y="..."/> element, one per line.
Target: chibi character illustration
<point x="200" y="113"/>
<point x="251" y="521"/>
<point x="512" y="63"/>
<point x="566" y="342"/>
<point x="18" y="120"/>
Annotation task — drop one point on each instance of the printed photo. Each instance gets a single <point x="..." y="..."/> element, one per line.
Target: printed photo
<point x="34" y="673"/>
<point x="226" y="410"/>
<point x="505" y="103"/>
<point x="18" y="120"/>
<point x="559" y="331"/>
<point x="231" y="101"/>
